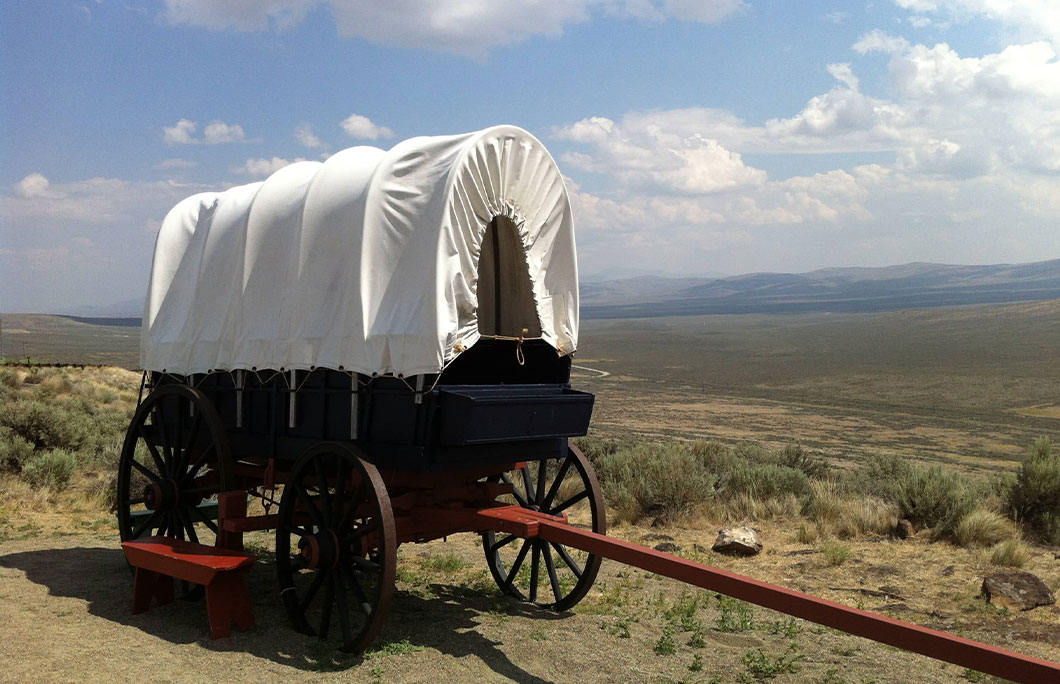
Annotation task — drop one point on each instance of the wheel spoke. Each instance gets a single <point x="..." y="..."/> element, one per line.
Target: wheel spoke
<point x="565" y="555"/>
<point x="204" y="518"/>
<point x="554" y="489"/>
<point x="550" y="566"/>
<point x="517" y="563"/>
<point x="535" y="569"/>
<point x="344" y="611"/>
<point x="358" y="590"/>
<point x="308" y="502"/>
<point x="291" y="529"/>
<point x="185" y="449"/>
<point x="208" y="489"/>
<point x="178" y="456"/>
<point x="528" y="485"/>
<point x="355" y="500"/>
<point x="146" y="524"/>
<point x="503" y="542"/>
<point x="325" y="494"/>
<point x="569" y="502"/>
<point x="311" y="591"/>
<point x="542" y="473"/>
<point x="193" y="469"/>
<point x="188" y="525"/>
<point x="167" y="450"/>
<point x="518" y="497"/>
<point x="155" y="456"/>
<point x="329" y="599"/>
<point x="365" y="564"/>
<point x="340" y="493"/>
<point x="360" y="532"/>
<point x="143" y="469"/>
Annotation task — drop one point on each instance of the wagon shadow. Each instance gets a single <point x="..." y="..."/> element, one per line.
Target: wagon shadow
<point x="446" y="621"/>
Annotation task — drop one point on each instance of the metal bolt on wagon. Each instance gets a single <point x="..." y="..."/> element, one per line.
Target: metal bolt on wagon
<point x="377" y="348"/>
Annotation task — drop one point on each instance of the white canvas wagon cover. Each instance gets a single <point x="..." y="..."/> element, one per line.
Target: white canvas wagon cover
<point x="366" y="262"/>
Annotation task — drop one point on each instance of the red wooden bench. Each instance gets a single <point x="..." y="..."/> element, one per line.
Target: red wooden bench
<point x="158" y="560"/>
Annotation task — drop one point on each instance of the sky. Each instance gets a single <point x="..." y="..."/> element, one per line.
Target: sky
<point x="710" y="136"/>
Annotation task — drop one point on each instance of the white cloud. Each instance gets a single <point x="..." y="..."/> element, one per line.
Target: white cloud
<point x="643" y="150"/>
<point x="175" y="163"/>
<point x="95" y="201"/>
<point x="838" y="17"/>
<point x="33" y="185"/>
<point x="468" y="27"/>
<point x="844" y="74"/>
<point x="703" y="11"/>
<point x="358" y="126"/>
<point x="261" y="167"/>
<point x="242" y="15"/>
<point x="220" y="132"/>
<point x="1033" y="19"/>
<point x="306" y="138"/>
<point x="975" y="176"/>
<point x="216" y="132"/>
<point x="179" y="134"/>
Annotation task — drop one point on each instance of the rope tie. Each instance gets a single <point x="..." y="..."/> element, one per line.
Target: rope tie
<point x="520" y="358"/>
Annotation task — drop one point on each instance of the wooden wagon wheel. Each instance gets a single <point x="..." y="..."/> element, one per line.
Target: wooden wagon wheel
<point x="336" y="547"/>
<point x="174" y="459"/>
<point x="554" y="487"/>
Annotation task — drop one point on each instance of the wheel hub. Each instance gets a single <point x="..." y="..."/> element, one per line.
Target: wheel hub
<point x="161" y="495"/>
<point x="320" y="550"/>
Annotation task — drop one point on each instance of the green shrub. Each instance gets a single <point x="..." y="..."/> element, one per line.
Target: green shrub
<point x="766" y="481"/>
<point x="1034" y="497"/>
<point x="666" y="481"/>
<point x="14" y="451"/>
<point x="52" y="469"/>
<point x="982" y="528"/>
<point x="46" y="426"/>
<point x="11" y="378"/>
<point x="927" y="496"/>
<point x="795" y="457"/>
<point x="878" y="476"/>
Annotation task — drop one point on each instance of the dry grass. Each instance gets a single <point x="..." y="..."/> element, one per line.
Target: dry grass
<point x="848" y="515"/>
<point x="982" y="528"/>
<point x="1013" y="553"/>
<point x="807" y="533"/>
<point x="835" y="552"/>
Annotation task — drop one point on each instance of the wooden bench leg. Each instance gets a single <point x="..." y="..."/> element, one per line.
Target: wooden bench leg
<point x="227" y="602"/>
<point x="149" y="585"/>
<point x="230" y="505"/>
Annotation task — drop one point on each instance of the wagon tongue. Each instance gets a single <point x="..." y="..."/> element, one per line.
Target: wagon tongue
<point x="1016" y="667"/>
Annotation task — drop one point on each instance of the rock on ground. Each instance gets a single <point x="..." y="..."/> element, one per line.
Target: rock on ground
<point x="1016" y="591"/>
<point x="737" y="541"/>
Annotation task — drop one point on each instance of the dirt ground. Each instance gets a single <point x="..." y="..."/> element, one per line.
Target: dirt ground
<point x="65" y="610"/>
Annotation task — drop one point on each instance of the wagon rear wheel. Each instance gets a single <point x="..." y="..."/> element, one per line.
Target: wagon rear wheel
<point x="551" y="575"/>
<point x="174" y="461"/>
<point x="336" y="547"/>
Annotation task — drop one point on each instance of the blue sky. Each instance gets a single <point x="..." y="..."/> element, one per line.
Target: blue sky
<point x="725" y="136"/>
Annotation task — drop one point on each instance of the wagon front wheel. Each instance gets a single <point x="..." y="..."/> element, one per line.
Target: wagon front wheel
<point x="174" y="461"/>
<point x="336" y="547"/>
<point x="550" y="575"/>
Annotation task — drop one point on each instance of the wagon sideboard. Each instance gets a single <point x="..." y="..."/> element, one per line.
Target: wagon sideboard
<point x="422" y="423"/>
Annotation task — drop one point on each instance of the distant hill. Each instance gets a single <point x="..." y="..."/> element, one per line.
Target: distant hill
<point x="636" y="293"/>
<point x="907" y="286"/>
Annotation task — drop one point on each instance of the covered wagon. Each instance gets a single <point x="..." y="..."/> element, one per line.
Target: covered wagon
<point x="380" y="336"/>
